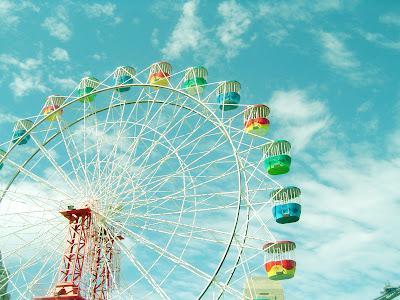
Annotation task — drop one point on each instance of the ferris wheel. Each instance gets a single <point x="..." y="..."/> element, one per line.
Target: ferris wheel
<point x="145" y="184"/>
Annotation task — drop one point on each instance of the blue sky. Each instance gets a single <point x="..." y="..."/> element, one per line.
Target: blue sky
<point x="329" y="70"/>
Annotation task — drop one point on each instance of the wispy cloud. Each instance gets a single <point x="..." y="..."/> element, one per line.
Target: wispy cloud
<point x="348" y="205"/>
<point x="365" y="106"/>
<point x="65" y="84"/>
<point x="26" y="75"/>
<point x="336" y="53"/>
<point x="99" y="56"/>
<point x="300" y="117"/>
<point x="57" y="25"/>
<point x="25" y="82"/>
<point x="297" y="10"/>
<point x="344" y="220"/>
<point x="236" y="20"/>
<point x="7" y="60"/>
<point x="207" y="44"/>
<point x="390" y="19"/>
<point x="9" y="12"/>
<point x="7" y="118"/>
<point x="59" y="54"/>
<point x="187" y="33"/>
<point x="338" y="56"/>
<point x="381" y="40"/>
<point x="154" y="37"/>
<point x="281" y="17"/>
<point x="103" y="11"/>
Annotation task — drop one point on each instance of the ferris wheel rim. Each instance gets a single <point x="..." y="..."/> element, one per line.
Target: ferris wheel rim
<point x="215" y="121"/>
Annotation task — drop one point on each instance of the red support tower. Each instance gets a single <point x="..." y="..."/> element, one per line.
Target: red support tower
<point x="102" y="266"/>
<point x="70" y="273"/>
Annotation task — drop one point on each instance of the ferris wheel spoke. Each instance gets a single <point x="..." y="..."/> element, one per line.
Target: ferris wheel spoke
<point x="112" y="153"/>
<point x="34" y="256"/>
<point x="154" y="126"/>
<point x="40" y="275"/>
<point x="137" y="143"/>
<point x="228" y="172"/>
<point x="170" y="195"/>
<point x="24" y="198"/>
<point x="67" y="148"/>
<point x="258" y="217"/>
<point x="120" y="129"/>
<point x="30" y="226"/>
<point x="178" y="261"/>
<point x="84" y="165"/>
<point x="99" y="144"/>
<point x="197" y="210"/>
<point x="247" y="274"/>
<point x="243" y="260"/>
<point x="119" y="179"/>
<point x="181" y="146"/>
<point x="205" y="196"/>
<point x="184" y="235"/>
<point x="155" y="170"/>
<point x="256" y="169"/>
<point x="187" y="166"/>
<point x="55" y="165"/>
<point x="25" y="212"/>
<point x="244" y="266"/>
<point x="195" y="229"/>
<point x="139" y="137"/>
<point x="231" y="194"/>
<point x="37" y="178"/>
<point x="144" y="272"/>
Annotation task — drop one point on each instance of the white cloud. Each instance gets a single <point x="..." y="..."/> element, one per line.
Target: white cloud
<point x="278" y="35"/>
<point x="236" y="20"/>
<point x="28" y="64"/>
<point x="326" y="5"/>
<point x="339" y="57"/>
<point x="381" y="40"/>
<point x="27" y="78"/>
<point x="300" y="118"/>
<point x="59" y="54"/>
<point x="390" y="19"/>
<point x="187" y="34"/>
<point x="190" y="33"/>
<point x="65" y="84"/>
<point x="297" y="10"/>
<point x="154" y="37"/>
<point x="393" y="142"/>
<point x="25" y="82"/>
<point x="281" y="17"/>
<point x="98" y="10"/>
<point x="7" y="118"/>
<point x="365" y="106"/>
<point x="282" y="10"/>
<point x="349" y="223"/>
<point x="99" y="56"/>
<point x="57" y="24"/>
<point x="190" y="36"/>
<point x="163" y="9"/>
<point x="57" y="28"/>
<point x="336" y="53"/>
<point x="350" y="204"/>
<point x="9" y="11"/>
